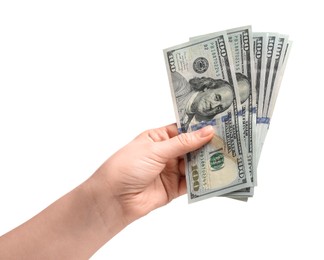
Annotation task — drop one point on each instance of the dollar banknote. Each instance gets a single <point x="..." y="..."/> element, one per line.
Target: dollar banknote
<point x="242" y="53"/>
<point x="268" y="60"/>
<point x="240" y="41"/>
<point x="205" y="91"/>
<point x="243" y="59"/>
<point x="282" y="50"/>
<point x="260" y="51"/>
<point x="278" y="50"/>
<point x="278" y="57"/>
<point x="279" y="76"/>
<point x="230" y="80"/>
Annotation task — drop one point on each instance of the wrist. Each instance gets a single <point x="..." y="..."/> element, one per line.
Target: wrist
<point x="106" y="205"/>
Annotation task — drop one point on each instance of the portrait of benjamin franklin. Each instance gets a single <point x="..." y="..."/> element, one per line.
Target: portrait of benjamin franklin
<point x="202" y="98"/>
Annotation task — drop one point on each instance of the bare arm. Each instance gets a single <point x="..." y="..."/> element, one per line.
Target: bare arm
<point x="144" y="175"/>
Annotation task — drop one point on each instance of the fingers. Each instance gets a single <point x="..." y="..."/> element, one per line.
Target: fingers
<point x="182" y="167"/>
<point x="182" y="180"/>
<point x="162" y="133"/>
<point x="172" y="130"/>
<point x="186" y="142"/>
<point x="182" y="186"/>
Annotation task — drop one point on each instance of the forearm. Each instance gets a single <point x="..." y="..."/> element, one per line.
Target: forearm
<point x="142" y="176"/>
<point x="73" y="227"/>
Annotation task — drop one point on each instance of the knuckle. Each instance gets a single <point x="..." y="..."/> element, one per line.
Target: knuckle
<point x="185" y="139"/>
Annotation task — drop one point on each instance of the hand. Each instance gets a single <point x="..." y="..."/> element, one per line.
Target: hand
<point x="149" y="172"/>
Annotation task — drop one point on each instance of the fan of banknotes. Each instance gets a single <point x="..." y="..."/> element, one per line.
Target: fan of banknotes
<point x="230" y="80"/>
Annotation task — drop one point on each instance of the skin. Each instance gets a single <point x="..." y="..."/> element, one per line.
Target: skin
<point x="144" y="175"/>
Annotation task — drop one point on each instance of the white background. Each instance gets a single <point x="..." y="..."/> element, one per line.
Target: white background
<point x="80" y="79"/>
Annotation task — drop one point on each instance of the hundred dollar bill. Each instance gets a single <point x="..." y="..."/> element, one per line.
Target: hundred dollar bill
<point x="278" y="79"/>
<point x="260" y="52"/>
<point x="269" y="60"/>
<point x="282" y="48"/>
<point x="241" y="44"/>
<point x="279" y="51"/>
<point x="204" y="91"/>
<point x="240" y="40"/>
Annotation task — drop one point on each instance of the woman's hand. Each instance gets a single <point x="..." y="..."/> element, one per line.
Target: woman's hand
<point x="149" y="172"/>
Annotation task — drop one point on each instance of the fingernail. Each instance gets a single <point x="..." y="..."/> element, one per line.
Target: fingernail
<point x="205" y="131"/>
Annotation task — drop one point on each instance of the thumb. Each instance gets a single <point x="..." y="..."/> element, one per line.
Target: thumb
<point x="186" y="142"/>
